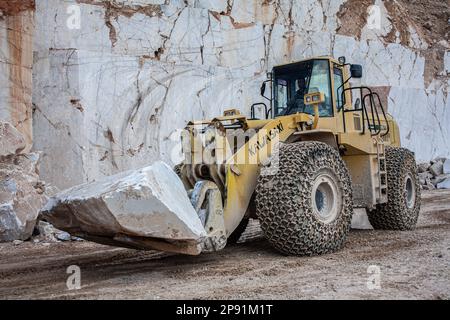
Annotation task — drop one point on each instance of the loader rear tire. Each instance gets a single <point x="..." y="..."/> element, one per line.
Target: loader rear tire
<point x="402" y="208"/>
<point x="304" y="199"/>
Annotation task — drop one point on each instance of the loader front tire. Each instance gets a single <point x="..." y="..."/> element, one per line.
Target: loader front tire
<point x="177" y="169"/>
<point x="304" y="199"/>
<point x="403" y="205"/>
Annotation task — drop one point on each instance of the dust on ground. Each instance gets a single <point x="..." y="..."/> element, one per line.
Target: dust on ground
<point x="413" y="264"/>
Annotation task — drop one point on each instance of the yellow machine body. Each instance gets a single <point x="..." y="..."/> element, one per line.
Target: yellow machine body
<point x="350" y="132"/>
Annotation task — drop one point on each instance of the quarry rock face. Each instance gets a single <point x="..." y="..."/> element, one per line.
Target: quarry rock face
<point x="21" y="196"/>
<point x="111" y="82"/>
<point x="133" y="208"/>
<point x="16" y="62"/>
<point x="116" y="90"/>
<point x="11" y="140"/>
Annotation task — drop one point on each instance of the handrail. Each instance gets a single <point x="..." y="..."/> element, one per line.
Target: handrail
<point x="252" y="109"/>
<point x="374" y="112"/>
<point x="384" y="114"/>
<point x="375" y="94"/>
<point x="373" y="128"/>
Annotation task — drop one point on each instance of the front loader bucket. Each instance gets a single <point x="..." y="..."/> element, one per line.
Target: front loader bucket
<point x="143" y="209"/>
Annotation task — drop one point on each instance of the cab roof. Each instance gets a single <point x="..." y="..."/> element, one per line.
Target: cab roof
<point x="332" y="59"/>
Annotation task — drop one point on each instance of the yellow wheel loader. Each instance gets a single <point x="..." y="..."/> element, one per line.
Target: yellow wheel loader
<point x="319" y="149"/>
<point x="299" y="164"/>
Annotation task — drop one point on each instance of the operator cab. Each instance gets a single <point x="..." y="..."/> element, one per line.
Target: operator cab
<point x="290" y="83"/>
<point x="293" y="81"/>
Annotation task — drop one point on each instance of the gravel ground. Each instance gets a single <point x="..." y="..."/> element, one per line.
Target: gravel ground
<point x="413" y="264"/>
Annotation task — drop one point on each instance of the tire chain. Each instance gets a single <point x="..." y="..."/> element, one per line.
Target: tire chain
<point x="395" y="215"/>
<point x="283" y="200"/>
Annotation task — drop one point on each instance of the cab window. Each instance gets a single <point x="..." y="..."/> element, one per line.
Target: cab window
<point x="320" y="81"/>
<point x="292" y="82"/>
<point x="338" y="88"/>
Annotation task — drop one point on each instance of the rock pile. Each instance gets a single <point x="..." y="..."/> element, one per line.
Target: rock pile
<point x="46" y="232"/>
<point x="21" y="192"/>
<point x="11" y="140"/>
<point x="435" y="174"/>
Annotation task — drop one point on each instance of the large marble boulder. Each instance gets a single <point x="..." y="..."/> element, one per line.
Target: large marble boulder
<point x="146" y="209"/>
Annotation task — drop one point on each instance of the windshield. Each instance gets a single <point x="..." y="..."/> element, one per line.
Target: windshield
<point x="292" y="82"/>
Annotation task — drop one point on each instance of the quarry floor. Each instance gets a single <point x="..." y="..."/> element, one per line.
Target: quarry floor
<point x="412" y="264"/>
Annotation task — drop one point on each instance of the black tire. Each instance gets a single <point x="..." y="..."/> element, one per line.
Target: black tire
<point x="236" y="234"/>
<point x="177" y="169"/>
<point x="401" y="211"/>
<point x="285" y="207"/>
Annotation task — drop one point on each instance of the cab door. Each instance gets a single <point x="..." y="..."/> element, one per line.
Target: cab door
<point x="339" y="75"/>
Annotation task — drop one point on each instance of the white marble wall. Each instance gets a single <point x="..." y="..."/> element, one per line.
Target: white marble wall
<point x="16" y="59"/>
<point x="105" y="101"/>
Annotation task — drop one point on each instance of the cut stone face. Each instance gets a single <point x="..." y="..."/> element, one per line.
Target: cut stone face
<point x="446" y="167"/>
<point x="444" y="184"/>
<point x="423" y="167"/>
<point x="437" y="168"/>
<point x="146" y="204"/>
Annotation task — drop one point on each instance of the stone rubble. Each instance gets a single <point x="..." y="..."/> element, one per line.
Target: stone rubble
<point x="11" y="140"/>
<point x="437" y="168"/>
<point x="63" y="236"/>
<point x="22" y="194"/>
<point x="155" y="65"/>
<point x="17" y="242"/>
<point x="19" y="207"/>
<point x="434" y="174"/>
<point x="45" y="232"/>
<point x="444" y="184"/>
<point x="446" y="166"/>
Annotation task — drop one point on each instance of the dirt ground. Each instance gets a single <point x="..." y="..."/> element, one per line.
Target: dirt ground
<point x="413" y="264"/>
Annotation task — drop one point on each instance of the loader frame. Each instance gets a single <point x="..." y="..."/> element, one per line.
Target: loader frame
<point x="359" y="133"/>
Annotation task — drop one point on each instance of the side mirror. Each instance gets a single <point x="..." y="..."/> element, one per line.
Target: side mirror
<point x="356" y="70"/>
<point x="263" y="88"/>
